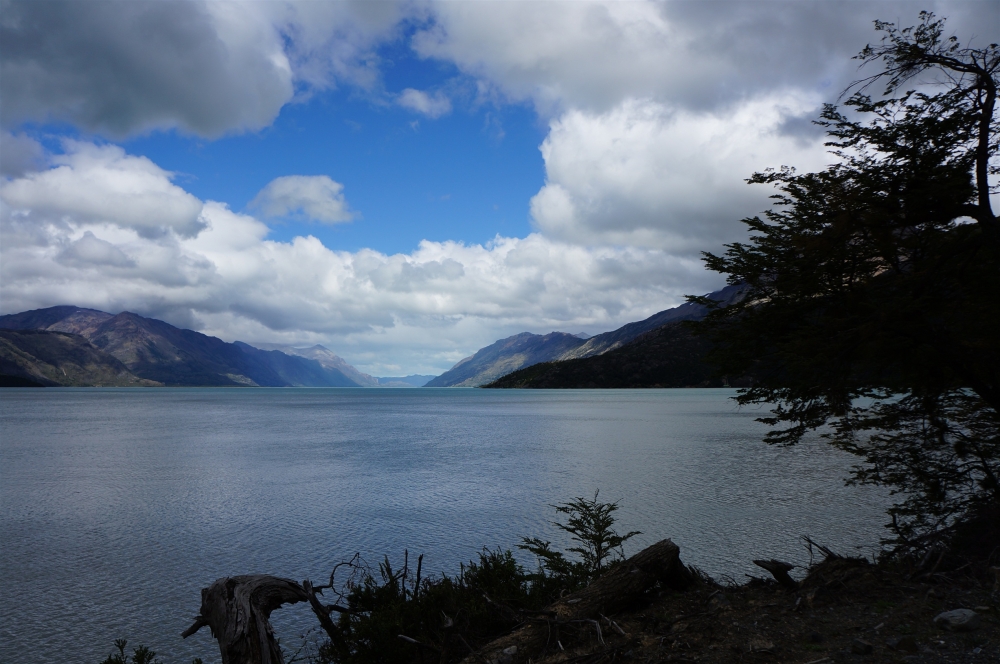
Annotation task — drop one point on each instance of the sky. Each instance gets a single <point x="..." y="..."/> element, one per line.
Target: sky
<point x="405" y="182"/>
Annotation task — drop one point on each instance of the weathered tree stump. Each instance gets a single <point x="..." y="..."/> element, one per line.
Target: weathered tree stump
<point x="238" y="609"/>
<point x="617" y="589"/>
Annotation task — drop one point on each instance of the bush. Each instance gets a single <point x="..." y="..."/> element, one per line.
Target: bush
<point x="141" y="655"/>
<point x="590" y="524"/>
<point x="393" y="615"/>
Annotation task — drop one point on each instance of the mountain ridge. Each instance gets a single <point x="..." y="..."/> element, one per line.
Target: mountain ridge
<point x="608" y="341"/>
<point x="54" y="358"/>
<point x="156" y="352"/>
<point x="517" y="353"/>
<point x="326" y="358"/>
<point x="504" y="356"/>
<point x="669" y="356"/>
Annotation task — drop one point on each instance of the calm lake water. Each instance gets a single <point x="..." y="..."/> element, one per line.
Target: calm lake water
<point x="118" y="506"/>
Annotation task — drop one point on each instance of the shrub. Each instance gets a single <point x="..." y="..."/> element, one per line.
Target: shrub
<point x="393" y="615"/>
<point x="141" y="655"/>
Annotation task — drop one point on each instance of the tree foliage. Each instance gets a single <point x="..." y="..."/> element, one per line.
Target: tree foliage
<point x="590" y="523"/>
<point x="870" y="312"/>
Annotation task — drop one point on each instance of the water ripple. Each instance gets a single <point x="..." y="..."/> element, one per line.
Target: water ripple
<point x="118" y="506"/>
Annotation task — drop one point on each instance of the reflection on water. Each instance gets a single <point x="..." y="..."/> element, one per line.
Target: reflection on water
<point x="117" y="506"/>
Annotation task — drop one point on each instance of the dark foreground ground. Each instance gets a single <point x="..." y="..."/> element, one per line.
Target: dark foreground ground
<point x="846" y="610"/>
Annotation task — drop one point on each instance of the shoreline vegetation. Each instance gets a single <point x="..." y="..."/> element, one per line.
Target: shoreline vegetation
<point x="592" y="604"/>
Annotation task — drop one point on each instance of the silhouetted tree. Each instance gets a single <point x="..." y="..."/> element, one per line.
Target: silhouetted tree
<point x="871" y="310"/>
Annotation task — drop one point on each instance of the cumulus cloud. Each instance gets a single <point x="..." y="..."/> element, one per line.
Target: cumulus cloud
<point x="652" y="175"/>
<point x="102" y="184"/>
<point x="228" y="279"/>
<point x="120" y="67"/>
<point x="433" y="106"/>
<point x="91" y="251"/>
<point x="332" y="43"/>
<point x="698" y="55"/>
<point x="307" y="197"/>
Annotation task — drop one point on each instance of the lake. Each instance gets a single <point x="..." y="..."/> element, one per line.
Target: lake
<point x="118" y="505"/>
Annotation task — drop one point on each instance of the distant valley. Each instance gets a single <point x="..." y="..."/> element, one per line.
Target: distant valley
<point x="74" y="346"/>
<point x="655" y="352"/>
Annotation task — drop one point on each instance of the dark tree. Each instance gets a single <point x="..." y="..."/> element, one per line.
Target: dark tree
<point x="871" y="313"/>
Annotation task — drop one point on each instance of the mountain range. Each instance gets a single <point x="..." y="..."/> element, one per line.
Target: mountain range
<point x="74" y="346"/>
<point x="521" y="351"/>
<point x="69" y="345"/>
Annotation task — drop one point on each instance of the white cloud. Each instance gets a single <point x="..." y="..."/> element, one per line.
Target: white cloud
<point x="646" y="174"/>
<point x="433" y="106"/>
<point x="308" y="197"/>
<point x="593" y="55"/>
<point x="553" y="53"/>
<point x="122" y="67"/>
<point x="443" y="299"/>
<point x="331" y="43"/>
<point x="91" y="251"/>
<point x="102" y="184"/>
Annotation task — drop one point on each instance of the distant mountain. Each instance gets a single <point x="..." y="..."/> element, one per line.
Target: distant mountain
<point x="669" y="356"/>
<point x="602" y="343"/>
<point x="75" y="320"/>
<point x="299" y="371"/>
<point x="60" y="358"/>
<point x="327" y="359"/>
<point x="525" y="350"/>
<point x="505" y="356"/>
<point x="413" y="380"/>
<point x="157" y="351"/>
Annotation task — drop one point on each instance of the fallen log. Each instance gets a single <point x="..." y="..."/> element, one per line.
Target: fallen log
<point x="626" y="583"/>
<point x="621" y="587"/>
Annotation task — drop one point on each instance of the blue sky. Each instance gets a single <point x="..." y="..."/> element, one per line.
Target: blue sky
<point x="466" y="176"/>
<point x="404" y="182"/>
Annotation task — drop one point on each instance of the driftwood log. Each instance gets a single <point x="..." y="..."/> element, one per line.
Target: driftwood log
<point x="238" y="610"/>
<point x="779" y="571"/>
<point x="617" y="589"/>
